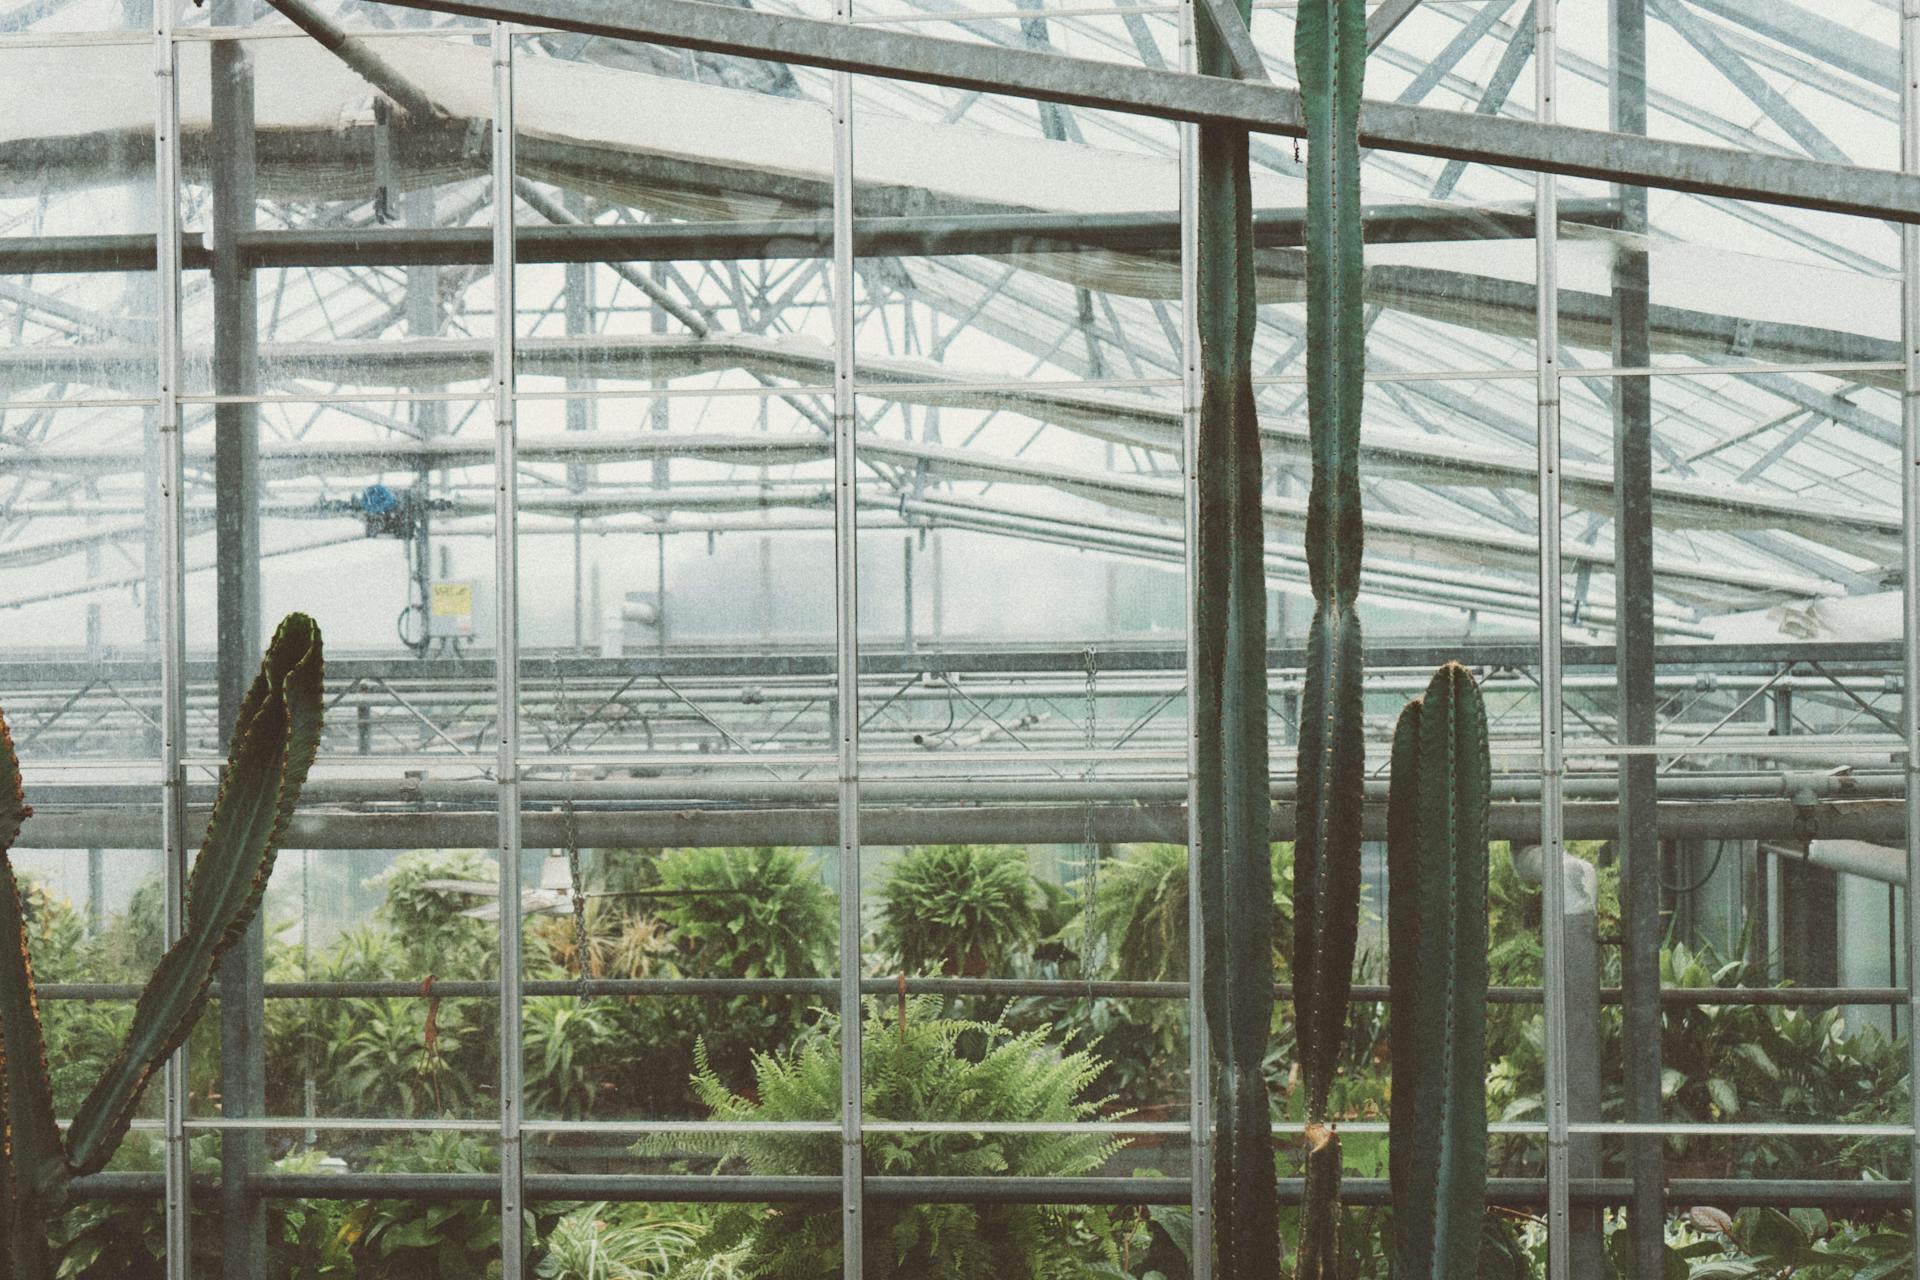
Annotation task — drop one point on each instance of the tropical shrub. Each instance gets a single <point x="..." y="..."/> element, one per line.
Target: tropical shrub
<point x="632" y="1242"/>
<point x="960" y="909"/>
<point x="921" y="1066"/>
<point x="747" y="913"/>
<point x="434" y="937"/>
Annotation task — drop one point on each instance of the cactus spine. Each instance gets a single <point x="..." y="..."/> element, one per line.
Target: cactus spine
<point x="1330" y="52"/>
<point x="276" y="735"/>
<point x="1437" y="937"/>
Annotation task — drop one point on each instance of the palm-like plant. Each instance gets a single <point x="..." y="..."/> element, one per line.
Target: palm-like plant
<point x="926" y="1067"/>
<point x="964" y="909"/>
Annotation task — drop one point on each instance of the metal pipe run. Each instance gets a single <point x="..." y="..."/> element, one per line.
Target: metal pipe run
<point x="985" y="988"/>
<point x="932" y="236"/>
<point x="548" y="1188"/>
<point x="1118" y="821"/>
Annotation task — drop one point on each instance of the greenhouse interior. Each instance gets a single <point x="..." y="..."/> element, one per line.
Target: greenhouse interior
<point x="1303" y="611"/>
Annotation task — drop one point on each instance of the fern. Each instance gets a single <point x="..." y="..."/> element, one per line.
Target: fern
<point x="934" y="1067"/>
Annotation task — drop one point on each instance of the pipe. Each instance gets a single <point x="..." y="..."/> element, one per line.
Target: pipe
<point x="1515" y="1193"/>
<point x="1125" y="822"/>
<point x="993" y="988"/>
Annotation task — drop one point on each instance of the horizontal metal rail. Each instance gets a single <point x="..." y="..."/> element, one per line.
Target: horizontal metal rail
<point x="27" y="671"/>
<point x="551" y="1188"/>
<point x="780" y="239"/>
<point x="1001" y="988"/>
<point x="1117" y="821"/>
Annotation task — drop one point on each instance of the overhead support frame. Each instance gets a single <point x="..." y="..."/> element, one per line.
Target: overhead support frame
<point x="1530" y="145"/>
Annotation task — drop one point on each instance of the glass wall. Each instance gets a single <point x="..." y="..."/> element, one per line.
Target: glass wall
<point x="748" y="508"/>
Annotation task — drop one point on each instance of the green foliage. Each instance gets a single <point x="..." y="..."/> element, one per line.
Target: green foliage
<point x="408" y="1240"/>
<point x="433" y="936"/>
<point x="930" y="1068"/>
<point x="1770" y="1244"/>
<point x="1437" y="864"/>
<point x="632" y="1242"/>
<point x="747" y="913"/>
<point x="965" y="909"/>
<point x="571" y="1047"/>
<point x="1139" y="912"/>
<point x="735" y="913"/>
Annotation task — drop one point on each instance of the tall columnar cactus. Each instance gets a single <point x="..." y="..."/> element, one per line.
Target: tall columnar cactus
<point x="1234" y="795"/>
<point x="276" y="735"/>
<point x="1437" y="939"/>
<point x="1330" y="52"/>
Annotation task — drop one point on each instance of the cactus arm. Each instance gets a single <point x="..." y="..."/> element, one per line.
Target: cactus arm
<point x="35" y="1163"/>
<point x="272" y="751"/>
<point x="1437" y="925"/>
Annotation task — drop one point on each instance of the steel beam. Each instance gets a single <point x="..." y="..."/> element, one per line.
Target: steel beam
<point x="1910" y="545"/>
<point x="1637" y="838"/>
<point x="1552" y="818"/>
<point x="920" y="236"/>
<point x="1510" y="1193"/>
<point x="952" y="988"/>
<point x="237" y="491"/>
<point x="506" y="833"/>
<point x="1382" y="21"/>
<point x="1879" y="821"/>
<point x="1175" y="95"/>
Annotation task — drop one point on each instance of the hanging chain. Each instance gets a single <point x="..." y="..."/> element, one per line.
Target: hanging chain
<point x="579" y="891"/>
<point x="571" y="834"/>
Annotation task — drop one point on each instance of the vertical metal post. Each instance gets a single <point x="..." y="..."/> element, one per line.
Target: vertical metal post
<point x="846" y="618"/>
<point x="1552" y="746"/>
<point x="580" y="417"/>
<point x="1580" y="972"/>
<point x="236" y="469"/>
<point x="1199" y="1046"/>
<point x="429" y="416"/>
<point x="1639" y="838"/>
<point x="506" y="654"/>
<point x="173" y="636"/>
<point x="1910" y="546"/>
<point x="906" y="594"/>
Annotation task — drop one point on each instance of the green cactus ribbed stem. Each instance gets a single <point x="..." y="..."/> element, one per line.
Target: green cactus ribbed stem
<point x="1437" y="937"/>
<point x="1233" y="813"/>
<point x="277" y="733"/>
<point x="35" y="1160"/>
<point x="1330" y="54"/>
<point x="278" y="737"/>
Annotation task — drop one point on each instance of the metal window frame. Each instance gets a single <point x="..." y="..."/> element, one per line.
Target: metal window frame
<point x="512" y="1183"/>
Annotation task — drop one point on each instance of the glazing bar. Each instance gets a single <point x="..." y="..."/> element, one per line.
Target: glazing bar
<point x="1910" y="542"/>
<point x="1200" y="1062"/>
<point x="1552" y="758"/>
<point x="846" y="571"/>
<point x="507" y="655"/>
<point x="173" y="636"/>
<point x="173" y="692"/>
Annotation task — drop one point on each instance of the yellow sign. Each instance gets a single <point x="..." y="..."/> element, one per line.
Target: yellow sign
<point x="451" y="611"/>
